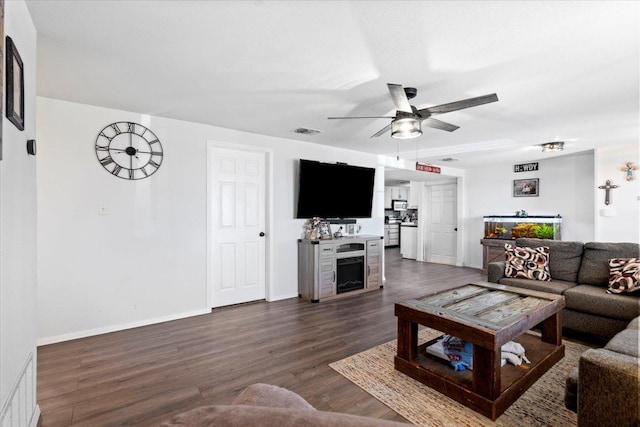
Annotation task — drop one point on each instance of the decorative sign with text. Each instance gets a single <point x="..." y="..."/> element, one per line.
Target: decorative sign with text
<point x="526" y="167"/>
<point x="427" y="168"/>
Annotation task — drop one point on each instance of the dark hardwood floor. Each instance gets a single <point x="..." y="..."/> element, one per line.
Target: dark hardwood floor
<point x="142" y="376"/>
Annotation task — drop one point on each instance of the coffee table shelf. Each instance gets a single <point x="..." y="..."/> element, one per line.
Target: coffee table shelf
<point x="489" y="388"/>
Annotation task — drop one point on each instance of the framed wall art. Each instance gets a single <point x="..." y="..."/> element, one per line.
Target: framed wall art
<point x="15" y="85"/>
<point x="526" y="187"/>
<point x="1" y="67"/>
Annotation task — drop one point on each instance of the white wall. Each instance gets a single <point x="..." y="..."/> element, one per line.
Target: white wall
<point x="566" y="188"/>
<point x="620" y="221"/>
<point x="146" y="261"/>
<point x="18" y="238"/>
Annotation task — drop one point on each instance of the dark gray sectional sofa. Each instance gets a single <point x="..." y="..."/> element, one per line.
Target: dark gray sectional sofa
<point x="580" y="272"/>
<point x="604" y="390"/>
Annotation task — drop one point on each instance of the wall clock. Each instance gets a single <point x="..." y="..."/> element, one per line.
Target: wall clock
<point x="128" y="150"/>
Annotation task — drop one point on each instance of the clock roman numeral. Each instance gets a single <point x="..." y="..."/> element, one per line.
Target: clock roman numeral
<point x="131" y="127"/>
<point x="102" y="134"/>
<point x="156" y="153"/>
<point x="153" y="142"/>
<point x="144" y="171"/>
<point x="116" y="170"/>
<point x="116" y="129"/>
<point x="102" y="148"/>
<point x="154" y="164"/>
<point x="106" y="161"/>
<point x="130" y="173"/>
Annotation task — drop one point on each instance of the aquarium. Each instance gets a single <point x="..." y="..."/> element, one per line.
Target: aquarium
<point x="514" y="226"/>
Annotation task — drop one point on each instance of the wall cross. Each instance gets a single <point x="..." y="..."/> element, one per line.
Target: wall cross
<point x="607" y="191"/>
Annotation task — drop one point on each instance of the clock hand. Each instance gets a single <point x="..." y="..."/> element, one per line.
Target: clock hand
<point x="124" y="151"/>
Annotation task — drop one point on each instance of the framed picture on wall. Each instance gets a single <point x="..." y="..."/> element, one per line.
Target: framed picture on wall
<point x="15" y="85"/>
<point x="526" y="187"/>
<point x="1" y="62"/>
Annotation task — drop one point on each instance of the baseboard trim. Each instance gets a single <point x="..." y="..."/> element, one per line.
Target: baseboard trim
<point x="281" y="297"/>
<point x="120" y="327"/>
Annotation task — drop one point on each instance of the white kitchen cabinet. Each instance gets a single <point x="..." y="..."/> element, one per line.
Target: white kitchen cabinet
<point x="394" y="193"/>
<point x="388" y="196"/>
<point x="403" y="193"/>
<point x="413" y="199"/>
<point x="409" y="241"/>
<point x="392" y="234"/>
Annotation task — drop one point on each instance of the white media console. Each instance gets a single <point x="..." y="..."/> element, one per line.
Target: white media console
<point x="339" y="267"/>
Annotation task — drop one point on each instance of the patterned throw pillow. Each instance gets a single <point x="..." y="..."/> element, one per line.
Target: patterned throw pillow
<point x="527" y="263"/>
<point x="624" y="275"/>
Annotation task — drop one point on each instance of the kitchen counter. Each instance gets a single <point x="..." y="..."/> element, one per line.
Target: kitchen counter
<point x="408" y="224"/>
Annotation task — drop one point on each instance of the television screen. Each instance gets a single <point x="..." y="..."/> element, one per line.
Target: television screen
<point x="334" y="190"/>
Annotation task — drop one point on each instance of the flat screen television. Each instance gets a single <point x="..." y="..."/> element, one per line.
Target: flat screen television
<point x="334" y="190"/>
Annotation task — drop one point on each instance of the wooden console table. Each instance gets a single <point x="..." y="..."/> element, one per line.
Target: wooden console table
<point x="319" y="266"/>
<point x="488" y="316"/>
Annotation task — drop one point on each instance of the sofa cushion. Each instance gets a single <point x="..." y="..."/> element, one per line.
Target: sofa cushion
<point x="564" y="257"/>
<point x="527" y="263"/>
<point x="554" y="286"/>
<point x="625" y="342"/>
<point x="596" y="300"/>
<point x="594" y="269"/>
<point x="634" y="324"/>
<point x="260" y="394"/>
<point x="248" y="416"/>
<point x="600" y="329"/>
<point x="624" y="275"/>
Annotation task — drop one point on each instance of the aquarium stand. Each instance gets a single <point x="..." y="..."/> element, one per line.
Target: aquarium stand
<point x="493" y="250"/>
<point x="501" y="229"/>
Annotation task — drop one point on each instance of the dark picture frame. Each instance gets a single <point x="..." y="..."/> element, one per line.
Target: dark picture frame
<point x="1" y="67"/>
<point x="529" y="187"/>
<point x="15" y="85"/>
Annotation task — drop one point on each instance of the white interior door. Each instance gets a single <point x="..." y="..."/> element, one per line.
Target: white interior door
<point x="442" y="224"/>
<point x="237" y="225"/>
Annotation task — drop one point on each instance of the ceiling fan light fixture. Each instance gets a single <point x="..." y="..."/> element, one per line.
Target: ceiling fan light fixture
<point x="406" y="128"/>
<point x="553" y="146"/>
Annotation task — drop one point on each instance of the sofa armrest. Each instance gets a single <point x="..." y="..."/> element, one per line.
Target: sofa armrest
<point x="495" y="271"/>
<point x="268" y="395"/>
<point x="262" y="416"/>
<point x="608" y="389"/>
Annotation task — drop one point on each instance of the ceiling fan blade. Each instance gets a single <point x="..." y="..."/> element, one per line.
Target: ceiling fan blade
<point x="459" y="105"/>
<point x="381" y="131"/>
<point x="439" y="124"/>
<point x="399" y="98"/>
<point x="365" y="117"/>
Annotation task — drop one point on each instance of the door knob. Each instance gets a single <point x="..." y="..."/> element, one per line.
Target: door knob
<point x="262" y="234"/>
<point x="455" y="229"/>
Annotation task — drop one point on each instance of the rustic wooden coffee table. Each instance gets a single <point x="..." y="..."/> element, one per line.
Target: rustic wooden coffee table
<point x="487" y="315"/>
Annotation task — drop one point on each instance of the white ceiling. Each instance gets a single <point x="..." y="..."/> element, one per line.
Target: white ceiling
<point x="562" y="70"/>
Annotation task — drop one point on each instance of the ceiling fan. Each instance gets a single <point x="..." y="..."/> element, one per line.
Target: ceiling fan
<point x="408" y="120"/>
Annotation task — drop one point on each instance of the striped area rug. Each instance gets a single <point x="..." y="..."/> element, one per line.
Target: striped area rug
<point x="541" y="405"/>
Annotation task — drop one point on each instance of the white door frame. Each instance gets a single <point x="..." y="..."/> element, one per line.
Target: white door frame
<point x="268" y="155"/>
